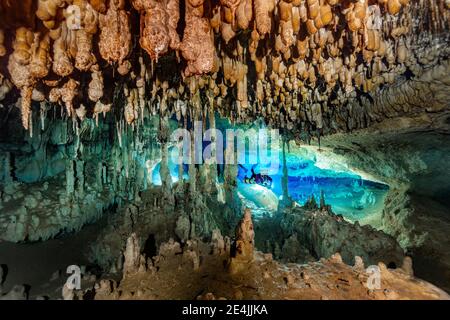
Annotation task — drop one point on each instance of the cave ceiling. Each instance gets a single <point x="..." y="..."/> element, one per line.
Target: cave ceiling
<point x="309" y="66"/>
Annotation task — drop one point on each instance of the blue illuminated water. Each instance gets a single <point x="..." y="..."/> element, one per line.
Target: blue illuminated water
<point x="348" y="193"/>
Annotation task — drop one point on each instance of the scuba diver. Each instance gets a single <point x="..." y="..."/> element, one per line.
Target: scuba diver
<point x="258" y="178"/>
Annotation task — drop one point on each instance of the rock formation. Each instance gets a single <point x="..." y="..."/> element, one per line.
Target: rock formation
<point x="243" y="244"/>
<point x="349" y="48"/>
<point x="91" y="92"/>
<point x="133" y="261"/>
<point x="325" y="279"/>
<point x="324" y="233"/>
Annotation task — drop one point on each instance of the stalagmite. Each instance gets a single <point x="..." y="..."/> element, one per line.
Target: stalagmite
<point x="244" y="244"/>
<point x="115" y="35"/>
<point x="80" y="177"/>
<point x="91" y="92"/>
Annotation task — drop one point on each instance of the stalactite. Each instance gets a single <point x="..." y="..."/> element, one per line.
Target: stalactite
<point x="62" y="65"/>
<point x="19" y="66"/>
<point x="263" y="10"/>
<point x="65" y="94"/>
<point x="155" y="38"/>
<point x="192" y="171"/>
<point x="70" y="177"/>
<point x="95" y="90"/>
<point x="140" y="84"/>
<point x="2" y="46"/>
<point x="212" y="174"/>
<point x="197" y="46"/>
<point x="86" y="29"/>
<point x="7" y="170"/>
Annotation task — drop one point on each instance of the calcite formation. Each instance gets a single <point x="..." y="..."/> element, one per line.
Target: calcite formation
<point x="325" y="279"/>
<point x="313" y="55"/>
<point x="29" y="63"/>
<point x="244" y="244"/>
<point x="65" y="94"/>
<point x="85" y="57"/>
<point x="96" y="86"/>
<point x="115" y="35"/>
<point x="92" y="90"/>
<point x="62" y="64"/>
<point x="133" y="261"/>
<point x="2" y="46"/>
<point x="324" y="233"/>
<point x="159" y="20"/>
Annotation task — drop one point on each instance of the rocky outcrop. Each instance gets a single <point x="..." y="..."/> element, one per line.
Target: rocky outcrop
<point x="45" y="190"/>
<point x="134" y="262"/>
<point x="242" y="250"/>
<point x="413" y="161"/>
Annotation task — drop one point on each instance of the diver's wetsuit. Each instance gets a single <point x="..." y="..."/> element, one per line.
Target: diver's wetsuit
<point x="259" y="178"/>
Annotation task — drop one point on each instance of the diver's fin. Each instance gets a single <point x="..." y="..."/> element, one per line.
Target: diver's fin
<point x="244" y="168"/>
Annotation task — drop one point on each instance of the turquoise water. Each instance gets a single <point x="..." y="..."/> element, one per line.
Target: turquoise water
<point x="347" y="192"/>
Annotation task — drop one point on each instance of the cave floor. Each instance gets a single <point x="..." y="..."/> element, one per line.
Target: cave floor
<point x="175" y="275"/>
<point x="42" y="265"/>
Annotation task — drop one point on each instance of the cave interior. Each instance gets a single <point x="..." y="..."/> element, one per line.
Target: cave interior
<point x="149" y="141"/>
